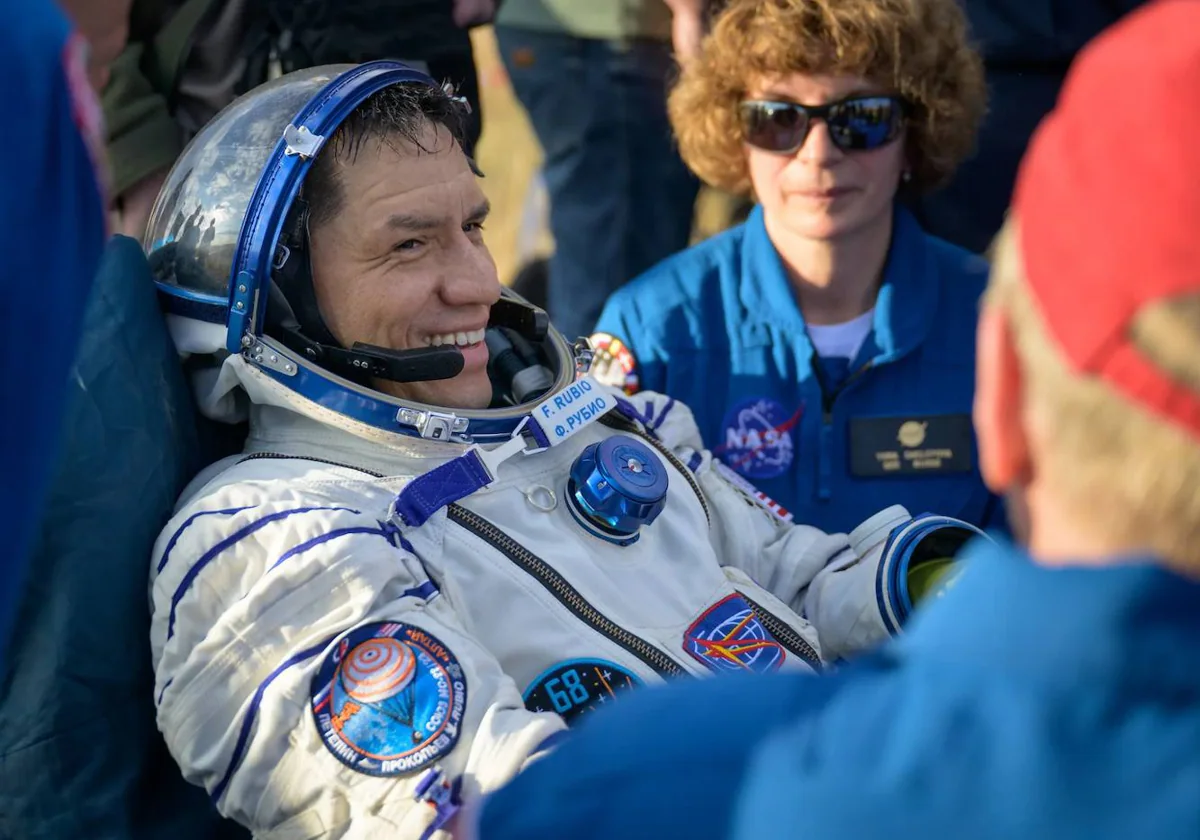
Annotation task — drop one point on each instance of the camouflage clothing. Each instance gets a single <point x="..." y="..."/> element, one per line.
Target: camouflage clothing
<point x="186" y="59"/>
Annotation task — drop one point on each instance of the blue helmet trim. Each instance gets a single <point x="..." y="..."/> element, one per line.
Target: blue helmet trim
<point x="213" y="309"/>
<point x="280" y="182"/>
<point x="277" y="187"/>
<point x="321" y="388"/>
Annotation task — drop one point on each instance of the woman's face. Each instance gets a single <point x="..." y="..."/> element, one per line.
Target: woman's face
<point x="820" y="191"/>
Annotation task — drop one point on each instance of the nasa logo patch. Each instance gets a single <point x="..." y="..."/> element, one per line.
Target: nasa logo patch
<point x="758" y="438"/>
<point x="389" y="699"/>
<point x="614" y="364"/>
<point x="577" y="686"/>
<point x="729" y="637"/>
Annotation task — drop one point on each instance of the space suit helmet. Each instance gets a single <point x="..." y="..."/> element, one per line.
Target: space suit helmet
<point x="227" y="241"/>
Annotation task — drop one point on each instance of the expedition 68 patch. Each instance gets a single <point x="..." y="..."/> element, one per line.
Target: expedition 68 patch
<point x="389" y="699"/>
<point x="577" y="686"/>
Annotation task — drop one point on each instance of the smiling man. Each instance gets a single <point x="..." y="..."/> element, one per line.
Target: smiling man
<point x="443" y="541"/>
<point x="408" y="207"/>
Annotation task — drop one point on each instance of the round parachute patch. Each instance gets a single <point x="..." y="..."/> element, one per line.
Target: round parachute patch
<point x="577" y="686"/>
<point x="614" y="364"/>
<point x="756" y="438"/>
<point x="389" y="699"/>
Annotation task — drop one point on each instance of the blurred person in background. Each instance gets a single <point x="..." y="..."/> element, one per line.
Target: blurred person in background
<point x="826" y="345"/>
<point x="52" y="215"/>
<point x="185" y="60"/>
<point x="593" y="77"/>
<point x="1027" y="46"/>
<point x="1055" y="691"/>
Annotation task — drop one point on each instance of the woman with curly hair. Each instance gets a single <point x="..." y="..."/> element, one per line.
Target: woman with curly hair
<point x="826" y="346"/>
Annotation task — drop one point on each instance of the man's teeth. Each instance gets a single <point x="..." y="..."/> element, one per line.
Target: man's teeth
<point x="462" y="339"/>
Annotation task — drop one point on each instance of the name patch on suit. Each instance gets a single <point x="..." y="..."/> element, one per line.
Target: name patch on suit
<point x="911" y="445"/>
<point x="389" y="699"/>
<point x="577" y="686"/>
<point x="729" y="637"/>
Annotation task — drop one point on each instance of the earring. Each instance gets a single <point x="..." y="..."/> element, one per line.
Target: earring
<point x="906" y="175"/>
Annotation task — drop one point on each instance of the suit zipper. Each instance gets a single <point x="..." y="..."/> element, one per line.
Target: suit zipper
<point x="785" y="633"/>
<point x="564" y="592"/>
<point x="824" y="448"/>
<point x="827" y="399"/>
<point x="569" y="596"/>
<point x="275" y="456"/>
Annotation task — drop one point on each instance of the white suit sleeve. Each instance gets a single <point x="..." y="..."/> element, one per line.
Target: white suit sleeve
<point x="313" y="679"/>
<point x="846" y="585"/>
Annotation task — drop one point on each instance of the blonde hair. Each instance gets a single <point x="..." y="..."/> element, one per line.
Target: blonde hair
<point x="915" y="48"/>
<point x="1121" y="470"/>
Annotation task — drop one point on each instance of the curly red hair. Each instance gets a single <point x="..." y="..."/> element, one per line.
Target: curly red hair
<point x="916" y="48"/>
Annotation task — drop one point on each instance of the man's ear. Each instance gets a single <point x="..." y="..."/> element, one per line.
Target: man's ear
<point x="999" y="405"/>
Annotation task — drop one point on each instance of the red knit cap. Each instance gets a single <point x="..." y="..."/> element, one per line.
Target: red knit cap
<point x="1108" y="200"/>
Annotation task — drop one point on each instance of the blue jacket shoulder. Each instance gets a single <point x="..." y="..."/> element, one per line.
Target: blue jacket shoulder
<point x="667" y="304"/>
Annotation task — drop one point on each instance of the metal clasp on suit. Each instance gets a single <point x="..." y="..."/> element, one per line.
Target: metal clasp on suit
<point x="300" y="141"/>
<point x="584" y="355"/>
<point x="433" y="425"/>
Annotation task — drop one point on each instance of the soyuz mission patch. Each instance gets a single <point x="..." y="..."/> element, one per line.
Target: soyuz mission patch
<point x="728" y="636"/>
<point x="614" y="364"/>
<point x="389" y="699"/>
<point x="577" y="686"/>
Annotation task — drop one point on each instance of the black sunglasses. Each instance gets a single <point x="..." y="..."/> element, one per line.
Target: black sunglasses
<point x="855" y="124"/>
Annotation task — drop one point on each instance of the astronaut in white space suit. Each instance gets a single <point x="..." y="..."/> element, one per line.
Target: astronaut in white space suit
<point x="443" y="542"/>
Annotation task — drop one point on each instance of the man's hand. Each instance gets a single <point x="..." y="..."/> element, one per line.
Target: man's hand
<point x="135" y="204"/>
<point x="687" y="28"/>
<point x="468" y="13"/>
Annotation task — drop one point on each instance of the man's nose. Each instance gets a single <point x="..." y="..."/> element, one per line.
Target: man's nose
<point x="471" y="279"/>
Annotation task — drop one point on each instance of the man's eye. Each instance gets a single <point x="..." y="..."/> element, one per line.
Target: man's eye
<point x="408" y="245"/>
<point x="473" y="227"/>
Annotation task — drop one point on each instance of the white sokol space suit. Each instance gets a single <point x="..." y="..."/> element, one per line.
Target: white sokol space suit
<point x="380" y="609"/>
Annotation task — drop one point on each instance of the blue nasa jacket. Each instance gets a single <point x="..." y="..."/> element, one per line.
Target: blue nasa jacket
<point x="717" y="327"/>
<point x="1029" y="702"/>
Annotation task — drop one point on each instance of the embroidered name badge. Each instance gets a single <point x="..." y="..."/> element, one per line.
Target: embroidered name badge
<point x="729" y="637"/>
<point x="936" y="444"/>
<point x="573" y="408"/>
<point x="577" y="686"/>
<point x="614" y="364"/>
<point x="752" y="494"/>
<point x="389" y="699"/>
<point x="757" y="438"/>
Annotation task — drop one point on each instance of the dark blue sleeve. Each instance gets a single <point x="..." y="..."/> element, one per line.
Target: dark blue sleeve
<point x="663" y="762"/>
<point x="52" y="231"/>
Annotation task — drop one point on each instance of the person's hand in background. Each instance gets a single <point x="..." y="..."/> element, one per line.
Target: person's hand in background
<point x="105" y="25"/>
<point x="468" y="13"/>
<point x="134" y="205"/>
<point x="687" y="27"/>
